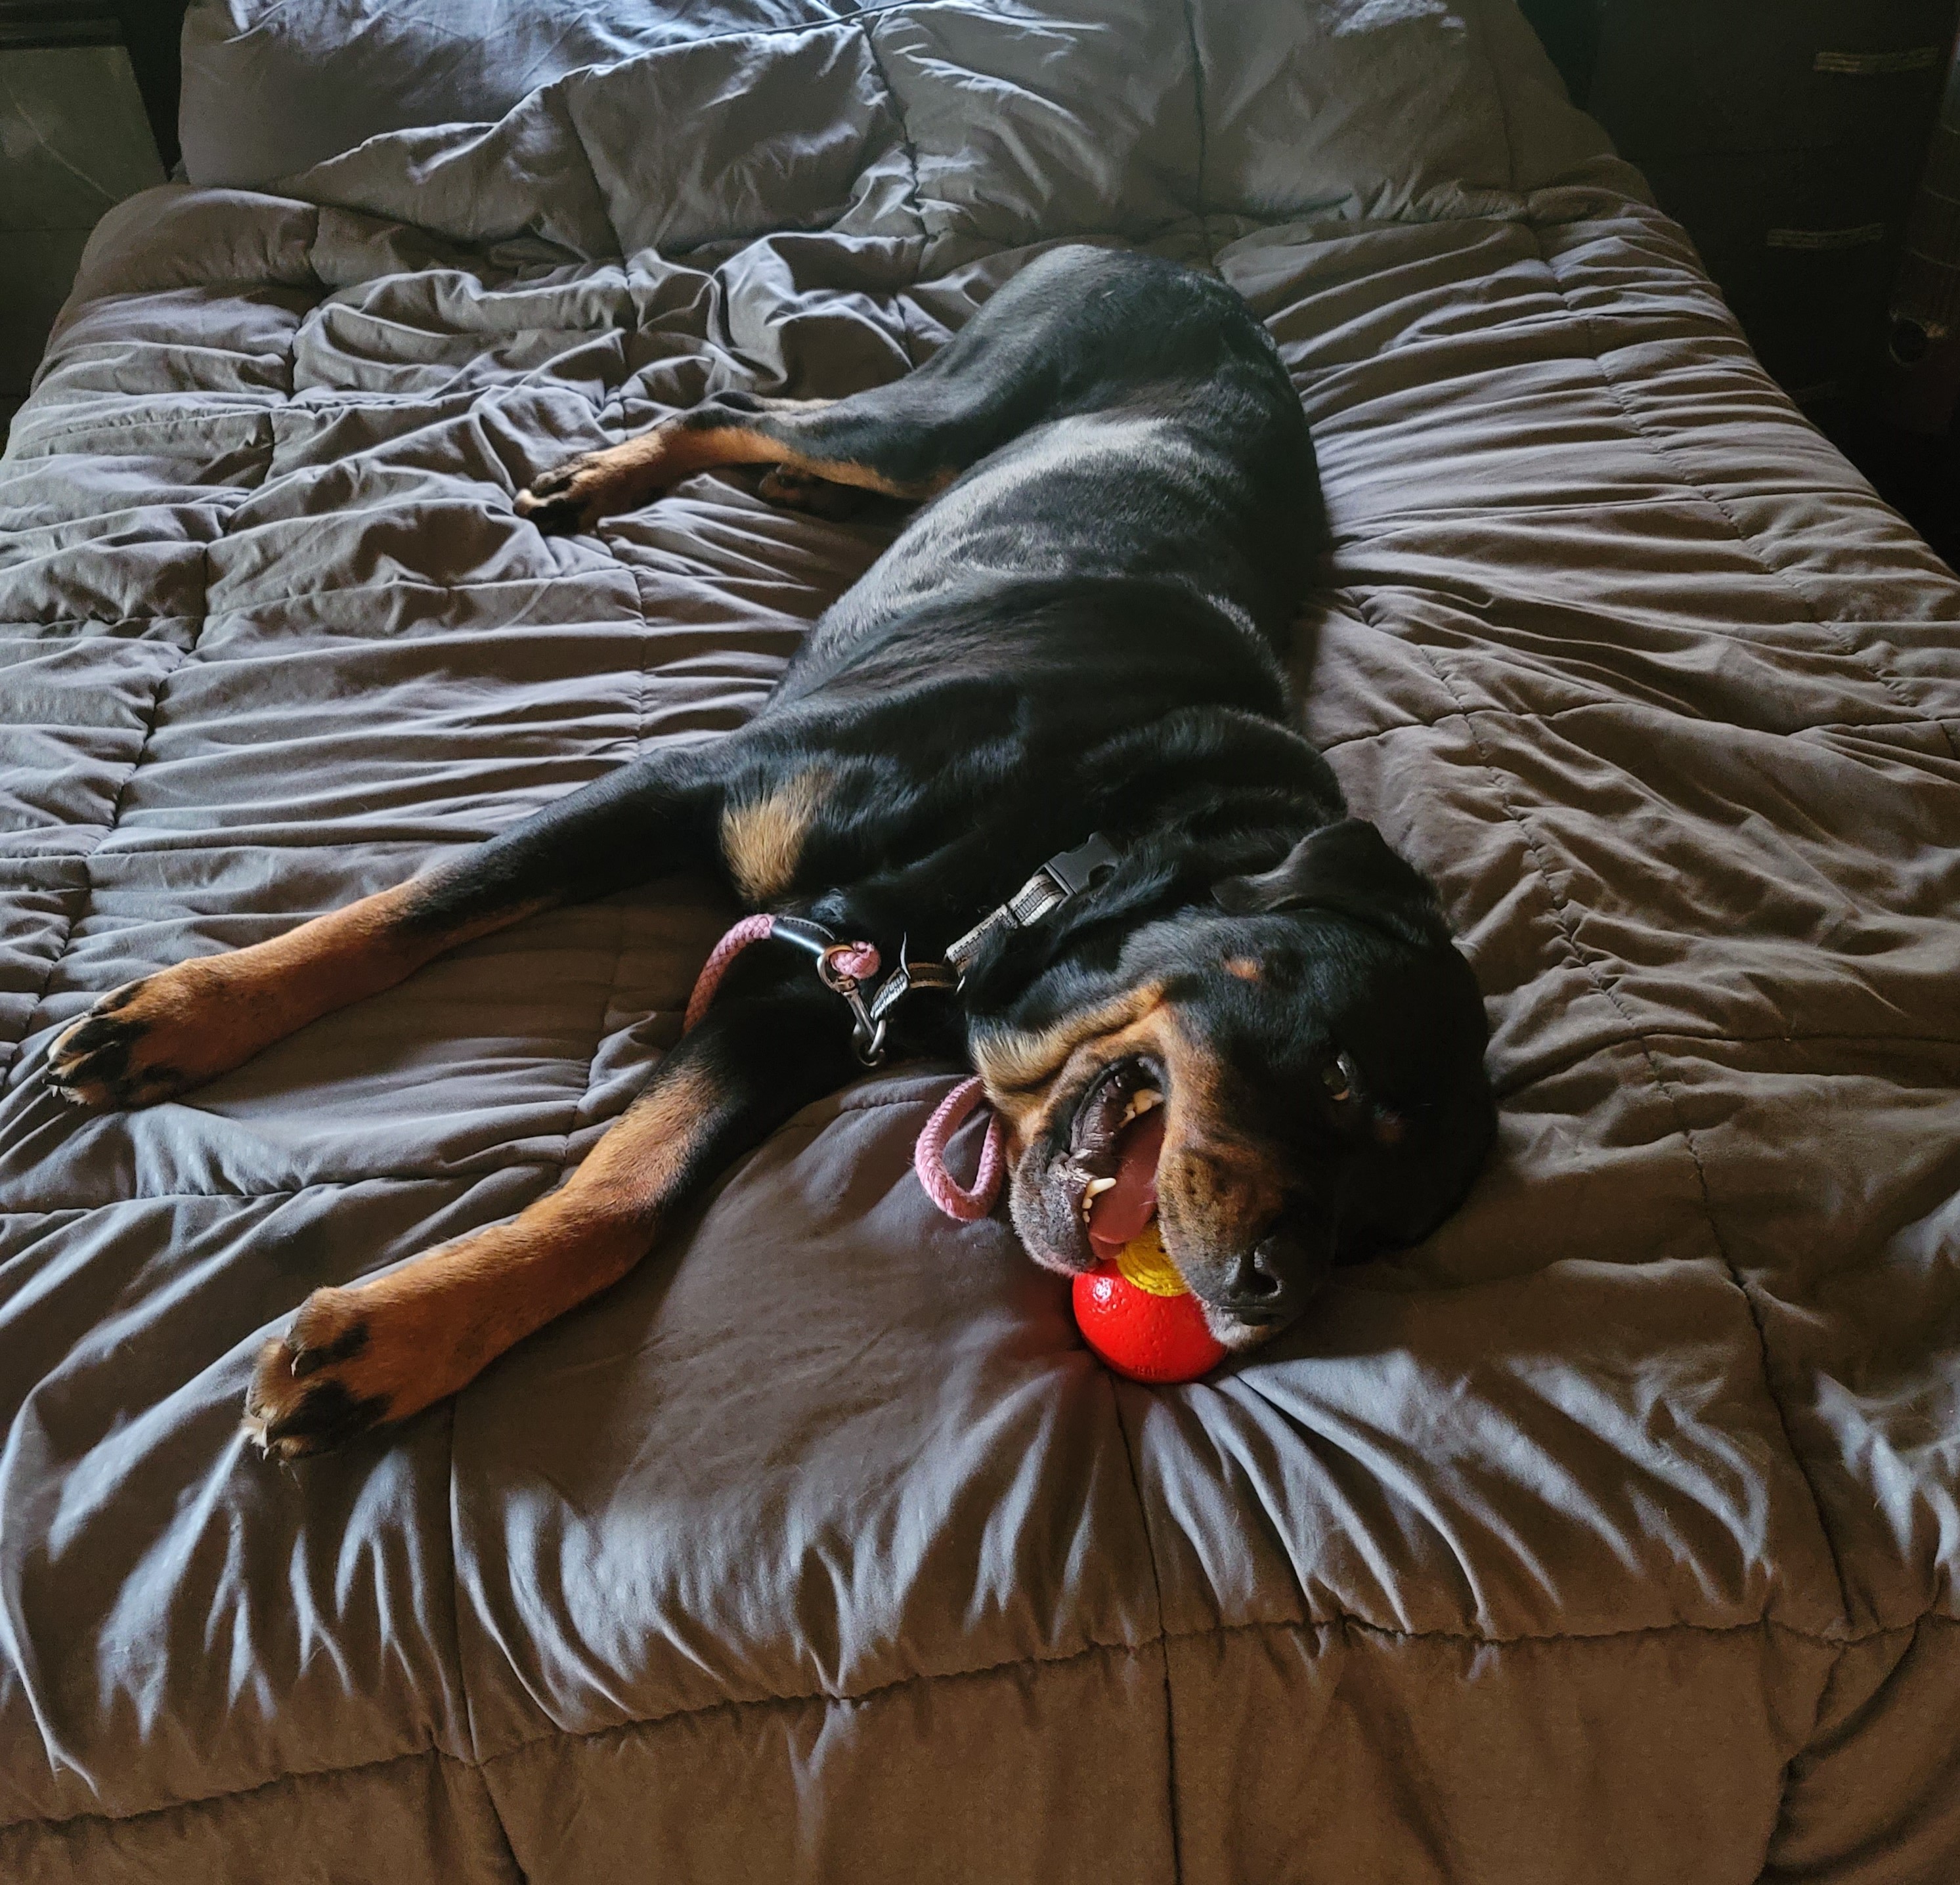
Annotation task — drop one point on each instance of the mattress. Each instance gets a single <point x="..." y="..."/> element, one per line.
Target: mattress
<point x="1610" y="1534"/>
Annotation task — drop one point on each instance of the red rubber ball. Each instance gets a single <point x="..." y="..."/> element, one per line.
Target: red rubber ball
<point x="1146" y="1336"/>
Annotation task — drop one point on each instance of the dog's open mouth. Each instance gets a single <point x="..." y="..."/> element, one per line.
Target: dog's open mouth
<point x="1114" y="1144"/>
<point x="1116" y="1139"/>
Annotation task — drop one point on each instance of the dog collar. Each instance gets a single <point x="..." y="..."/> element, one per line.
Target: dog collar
<point x="845" y="968"/>
<point x="1066" y="875"/>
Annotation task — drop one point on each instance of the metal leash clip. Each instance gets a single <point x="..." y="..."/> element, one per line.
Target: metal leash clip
<point x="867" y="1032"/>
<point x="867" y="1024"/>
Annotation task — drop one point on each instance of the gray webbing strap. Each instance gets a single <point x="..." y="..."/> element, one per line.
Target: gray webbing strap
<point x="1062" y="877"/>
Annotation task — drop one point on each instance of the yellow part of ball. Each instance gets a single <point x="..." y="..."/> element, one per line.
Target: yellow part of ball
<point x="1145" y="1261"/>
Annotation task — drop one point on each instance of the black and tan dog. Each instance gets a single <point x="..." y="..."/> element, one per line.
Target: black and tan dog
<point x="1080" y="632"/>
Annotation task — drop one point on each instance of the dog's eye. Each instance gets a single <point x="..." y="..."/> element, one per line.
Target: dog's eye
<point x="1340" y="1078"/>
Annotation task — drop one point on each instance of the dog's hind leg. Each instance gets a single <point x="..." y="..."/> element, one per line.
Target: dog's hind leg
<point x="802" y="442"/>
<point x="176" y="1029"/>
<point x="1078" y="329"/>
<point x="360" y="1357"/>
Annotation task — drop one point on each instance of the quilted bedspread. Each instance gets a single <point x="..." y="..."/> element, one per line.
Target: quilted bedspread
<point x="1610" y="1536"/>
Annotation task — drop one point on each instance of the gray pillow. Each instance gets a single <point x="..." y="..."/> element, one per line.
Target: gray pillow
<point x="271" y="87"/>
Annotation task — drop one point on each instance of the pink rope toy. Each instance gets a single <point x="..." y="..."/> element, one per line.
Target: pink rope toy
<point x="861" y="960"/>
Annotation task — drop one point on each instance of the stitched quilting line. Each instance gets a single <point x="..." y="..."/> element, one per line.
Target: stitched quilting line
<point x="1542" y="716"/>
<point x="1808" y="1755"/>
<point x="465" y="1179"/>
<point x="1665" y="1089"/>
<point x="188" y="652"/>
<point x="452" y="1408"/>
<point x="851" y="1103"/>
<point x="919" y="1103"/>
<point x="1334" y="1623"/>
<point x="578" y="1121"/>
<point x="172" y="845"/>
<point x="1339" y="1623"/>
<point x="1663" y="449"/>
<point x="1582" y="958"/>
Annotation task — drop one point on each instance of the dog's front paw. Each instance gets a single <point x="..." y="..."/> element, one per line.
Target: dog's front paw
<point x="153" y="1039"/>
<point x="341" y="1369"/>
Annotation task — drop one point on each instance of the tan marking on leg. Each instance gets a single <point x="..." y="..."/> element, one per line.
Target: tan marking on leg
<point x="189" y="1023"/>
<point x="624" y="477"/>
<point x="704" y="448"/>
<point x="763" y="839"/>
<point x="387" y="1348"/>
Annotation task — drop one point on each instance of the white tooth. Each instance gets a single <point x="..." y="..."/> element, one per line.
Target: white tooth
<point x="1146" y="1097"/>
<point x="1096" y="1187"/>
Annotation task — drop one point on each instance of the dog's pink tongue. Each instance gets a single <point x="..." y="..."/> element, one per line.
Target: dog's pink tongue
<point x="1119" y="1213"/>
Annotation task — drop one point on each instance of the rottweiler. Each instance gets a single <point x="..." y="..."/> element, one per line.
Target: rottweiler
<point x="1043" y="758"/>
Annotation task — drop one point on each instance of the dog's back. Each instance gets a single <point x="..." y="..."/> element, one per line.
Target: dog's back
<point x="1110" y="420"/>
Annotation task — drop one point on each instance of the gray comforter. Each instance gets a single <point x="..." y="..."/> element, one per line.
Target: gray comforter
<point x="1611" y="1535"/>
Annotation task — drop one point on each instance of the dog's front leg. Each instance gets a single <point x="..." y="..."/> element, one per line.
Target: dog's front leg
<point x="380" y="1350"/>
<point x="172" y="1030"/>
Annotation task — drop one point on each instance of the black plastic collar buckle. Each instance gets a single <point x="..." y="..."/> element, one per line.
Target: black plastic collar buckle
<point x="1076" y="870"/>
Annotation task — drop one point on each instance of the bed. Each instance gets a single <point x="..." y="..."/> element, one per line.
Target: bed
<point x="1610" y="1535"/>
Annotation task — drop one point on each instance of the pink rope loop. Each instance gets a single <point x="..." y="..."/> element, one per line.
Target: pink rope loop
<point x="857" y="960"/>
<point x="929" y="1157"/>
<point x="749" y="929"/>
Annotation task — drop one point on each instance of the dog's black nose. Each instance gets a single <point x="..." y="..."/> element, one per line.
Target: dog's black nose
<point x="1257" y="1288"/>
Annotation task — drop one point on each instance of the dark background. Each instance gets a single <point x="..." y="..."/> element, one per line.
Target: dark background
<point x="1788" y="137"/>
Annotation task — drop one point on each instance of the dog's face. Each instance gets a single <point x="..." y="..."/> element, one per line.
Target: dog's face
<point x="1299" y="1070"/>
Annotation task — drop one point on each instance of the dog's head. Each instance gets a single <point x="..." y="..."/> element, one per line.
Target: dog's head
<point x="1290" y="1078"/>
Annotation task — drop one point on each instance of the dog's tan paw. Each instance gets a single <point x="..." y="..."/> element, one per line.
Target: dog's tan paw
<point x="341" y="1369"/>
<point x="571" y="498"/>
<point x="564" y="502"/>
<point x="153" y="1039"/>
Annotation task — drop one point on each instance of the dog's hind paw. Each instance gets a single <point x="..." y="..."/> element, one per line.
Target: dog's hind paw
<point x="571" y="498"/>
<point x="564" y="502"/>
<point x="817" y="497"/>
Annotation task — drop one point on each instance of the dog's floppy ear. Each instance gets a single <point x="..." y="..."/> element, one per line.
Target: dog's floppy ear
<point x="1346" y="867"/>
